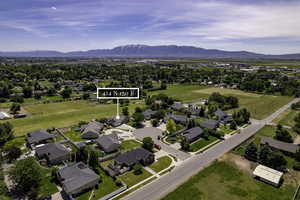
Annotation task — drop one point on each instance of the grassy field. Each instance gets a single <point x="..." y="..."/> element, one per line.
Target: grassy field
<point x="260" y="106"/>
<point x="202" y="143"/>
<point x="63" y="114"/>
<point x="161" y="164"/>
<point x="287" y="118"/>
<point x="128" y="145"/>
<point x="131" y="179"/>
<point x="224" y="181"/>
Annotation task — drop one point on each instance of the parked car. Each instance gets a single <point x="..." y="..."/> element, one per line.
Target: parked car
<point x="157" y="146"/>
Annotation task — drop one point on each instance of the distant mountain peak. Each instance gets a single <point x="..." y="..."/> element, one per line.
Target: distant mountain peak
<point x="161" y="51"/>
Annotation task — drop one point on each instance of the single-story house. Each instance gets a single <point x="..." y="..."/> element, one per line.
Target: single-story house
<point x="279" y="145"/>
<point x="38" y="137"/>
<point x="118" y="122"/>
<point x="77" y="178"/>
<point x="179" y="119"/>
<point x="223" y="117"/>
<point x="4" y="115"/>
<point x="54" y="153"/>
<point x="91" y="130"/>
<point x="125" y="127"/>
<point x="124" y="162"/>
<point x="194" y="110"/>
<point x="108" y="143"/>
<point x="192" y="134"/>
<point x="148" y="114"/>
<point x="268" y="175"/>
<point x="210" y="124"/>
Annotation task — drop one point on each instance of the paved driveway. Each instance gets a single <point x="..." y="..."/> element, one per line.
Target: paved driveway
<point x="153" y="133"/>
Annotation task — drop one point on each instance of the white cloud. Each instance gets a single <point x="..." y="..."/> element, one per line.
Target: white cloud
<point x="53" y="8"/>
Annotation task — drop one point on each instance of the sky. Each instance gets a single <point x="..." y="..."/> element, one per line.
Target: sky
<point x="262" y="26"/>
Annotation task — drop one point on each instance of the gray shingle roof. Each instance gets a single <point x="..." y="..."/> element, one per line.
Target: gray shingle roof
<point x="132" y="157"/>
<point x="38" y="136"/>
<point x="148" y="113"/>
<point x="193" y="133"/>
<point x="210" y="124"/>
<point x="109" y="142"/>
<point x="76" y="176"/>
<point x="91" y="130"/>
<point x="178" y="118"/>
<point x="52" y="151"/>
<point x="288" y="147"/>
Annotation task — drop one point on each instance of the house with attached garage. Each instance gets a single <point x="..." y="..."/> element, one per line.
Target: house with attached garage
<point x="118" y="122"/>
<point x="178" y="106"/>
<point x="192" y="134"/>
<point x="178" y="119"/>
<point x="210" y="124"/>
<point x="91" y="130"/>
<point x="108" y="143"/>
<point x="38" y="137"/>
<point x="125" y="162"/>
<point x="53" y="153"/>
<point x="77" y="178"/>
<point x="223" y="117"/>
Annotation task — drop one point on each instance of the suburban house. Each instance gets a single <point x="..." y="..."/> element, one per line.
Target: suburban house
<point x="148" y="114"/>
<point x="54" y="153"/>
<point x="178" y="119"/>
<point x="38" y="137"/>
<point x="178" y="106"/>
<point x="279" y="145"/>
<point x="268" y="175"/>
<point x="192" y="134"/>
<point x="125" y="127"/>
<point x="223" y="117"/>
<point x="124" y="162"/>
<point x="118" y="122"/>
<point x="91" y="130"/>
<point x="77" y="178"/>
<point x="210" y="124"/>
<point x="4" y="115"/>
<point x="108" y="143"/>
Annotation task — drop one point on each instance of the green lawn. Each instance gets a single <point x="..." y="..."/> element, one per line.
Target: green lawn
<point x="287" y="118"/>
<point x="225" y="129"/>
<point x="131" y="179"/>
<point x="74" y="136"/>
<point x="161" y="164"/>
<point x="260" y="106"/>
<point x="106" y="186"/>
<point x="223" y="181"/>
<point x="62" y="114"/>
<point x="202" y="143"/>
<point x="128" y="145"/>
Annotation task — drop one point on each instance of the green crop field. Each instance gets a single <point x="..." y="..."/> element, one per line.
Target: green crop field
<point x="44" y="116"/>
<point x="222" y="180"/>
<point x="259" y="105"/>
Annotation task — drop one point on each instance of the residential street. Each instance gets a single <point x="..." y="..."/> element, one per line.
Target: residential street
<point x="193" y="165"/>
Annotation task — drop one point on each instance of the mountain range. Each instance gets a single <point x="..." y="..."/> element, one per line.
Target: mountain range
<point x="145" y="51"/>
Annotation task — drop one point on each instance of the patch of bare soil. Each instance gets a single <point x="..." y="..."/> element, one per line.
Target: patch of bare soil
<point x="240" y="162"/>
<point x="297" y="140"/>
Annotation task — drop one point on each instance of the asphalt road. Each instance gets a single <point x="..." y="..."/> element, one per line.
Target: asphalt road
<point x="193" y="165"/>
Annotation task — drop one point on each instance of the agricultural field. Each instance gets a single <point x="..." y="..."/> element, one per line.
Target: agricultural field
<point x="287" y="118"/>
<point x="224" y="180"/>
<point x="64" y="114"/>
<point x="259" y="105"/>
